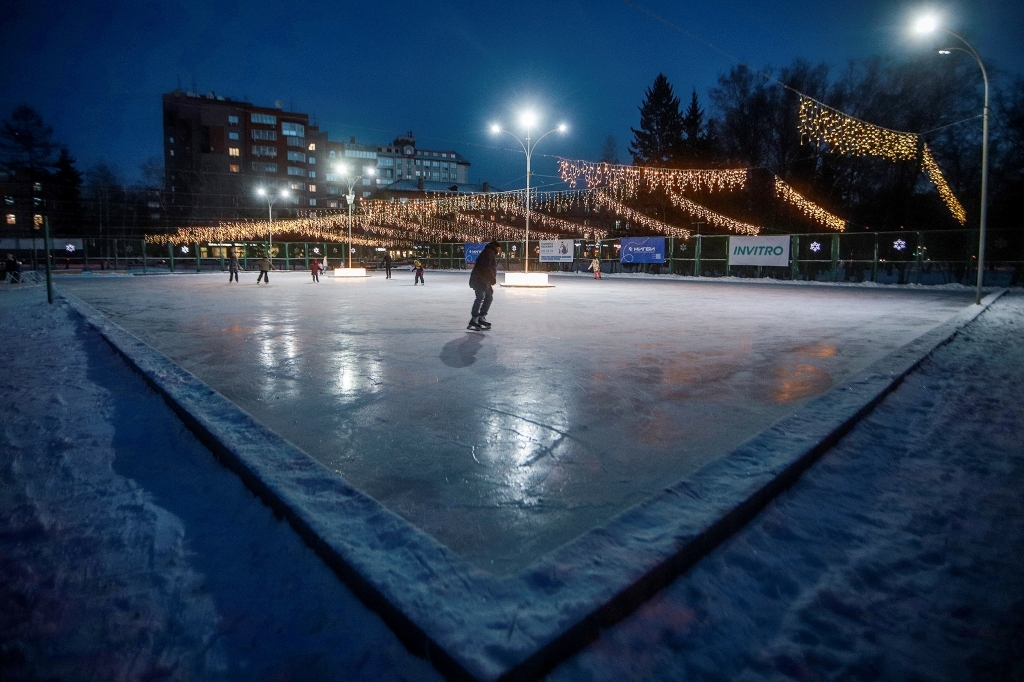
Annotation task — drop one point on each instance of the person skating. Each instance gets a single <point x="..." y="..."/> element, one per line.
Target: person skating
<point x="387" y="264"/>
<point x="482" y="281"/>
<point x="314" y="268"/>
<point x="419" y="274"/>
<point x="232" y="266"/>
<point x="265" y="267"/>
<point x="595" y="265"/>
<point x="12" y="268"/>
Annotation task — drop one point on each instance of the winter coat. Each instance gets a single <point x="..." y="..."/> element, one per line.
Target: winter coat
<point x="595" y="265"/>
<point x="485" y="270"/>
<point x="233" y="263"/>
<point x="315" y="267"/>
<point x="266" y="265"/>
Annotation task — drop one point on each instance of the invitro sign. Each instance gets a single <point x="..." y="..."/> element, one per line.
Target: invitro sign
<point x="770" y="251"/>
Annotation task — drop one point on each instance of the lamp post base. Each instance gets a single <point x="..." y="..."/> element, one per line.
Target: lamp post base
<point x="346" y="273"/>
<point x="527" y="279"/>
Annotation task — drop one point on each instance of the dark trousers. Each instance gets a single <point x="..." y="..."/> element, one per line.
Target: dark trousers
<point x="419" y="279"/>
<point x="387" y="269"/>
<point x="482" y="303"/>
<point x="316" y="276"/>
<point x="265" y="276"/>
<point x="232" y="275"/>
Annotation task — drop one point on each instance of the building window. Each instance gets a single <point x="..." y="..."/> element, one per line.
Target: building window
<point x="234" y="151"/>
<point x="264" y="167"/>
<point x="172" y="152"/>
<point x="233" y="135"/>
<point x="263" y="118"/>
<point x="233" y="167"/>
<point x="331" y="155"/>
<point x="296" y="156"/>
<point x="297" y="186"/>
<point x="263" y="150"/>
<point x="312" y="147"/>
<point x="38" y="220"/>
<point x="172" y="140"/>
<point x="386" y="162"/>
<point x="9" y="201"/>
<point x="295" y="141"/>
<point x="232" y="121"/>
<point x="312" y="174"/>
<point x="312" y="188"/>
<point x="11" y="220"/>
<point x="312" y="202"/>
<point x="300" y="172"/>
<point x="264" y="134"/>
<point x="293" y="129"/>
<point x="367" y="195"/>
<point x="37" y="187"/>
<point x="311" y="159"/>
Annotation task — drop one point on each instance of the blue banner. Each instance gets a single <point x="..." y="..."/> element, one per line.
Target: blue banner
<point x="474" y="250"/>
<point x="642" y="250"/>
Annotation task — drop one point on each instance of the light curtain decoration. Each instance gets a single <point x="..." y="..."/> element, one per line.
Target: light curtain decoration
<point x="710" y="217"/>
<point x="809" y="208"/>
<point x="822" y="125"/>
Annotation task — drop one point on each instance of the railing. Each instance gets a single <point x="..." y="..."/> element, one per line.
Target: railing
<point x="902" y="257"/>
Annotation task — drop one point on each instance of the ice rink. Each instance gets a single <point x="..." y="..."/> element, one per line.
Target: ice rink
<point x="583" y="400"/>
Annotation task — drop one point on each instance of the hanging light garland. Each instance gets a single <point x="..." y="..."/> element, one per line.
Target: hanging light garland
<point x="822" y="125"/>
<point x="845" y="134"/>
<point x="809" y="209"/>
<point x="709" y="216"/>
<point x="931" y="168"/>
<point x="639" y="218"/>
<point x="624" y="182"/>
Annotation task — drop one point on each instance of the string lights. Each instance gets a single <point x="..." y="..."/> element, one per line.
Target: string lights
<point x="624" y="182"/>
<point x="929" y="166"/>
<point x="639" y="218"/>
<point x="822" y="125"/>
<point x="810" y="209"/>
<point x="710" y="217"/>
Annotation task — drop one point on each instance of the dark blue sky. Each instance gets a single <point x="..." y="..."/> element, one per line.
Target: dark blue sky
<point x="445" y="70"/>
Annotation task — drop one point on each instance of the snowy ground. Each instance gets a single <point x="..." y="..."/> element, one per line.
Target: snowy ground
<point x="126" y="552"/>
<point x="584" y="400"/>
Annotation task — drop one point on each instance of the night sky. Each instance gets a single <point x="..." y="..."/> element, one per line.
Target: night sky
<point x="96" y="70"/>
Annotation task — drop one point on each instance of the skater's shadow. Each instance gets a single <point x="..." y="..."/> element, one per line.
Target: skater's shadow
<point x="462" y="352"/>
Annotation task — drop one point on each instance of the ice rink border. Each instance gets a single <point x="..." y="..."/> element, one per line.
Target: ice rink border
<point x="471" y="624"/>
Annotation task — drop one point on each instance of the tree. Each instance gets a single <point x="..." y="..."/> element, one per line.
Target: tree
<point x="698" y="149"/>
<point x="659" y="139"/>
<point x="66" y="214"/>
<point x="26" y="143"/>
<point x="610" y="154"/>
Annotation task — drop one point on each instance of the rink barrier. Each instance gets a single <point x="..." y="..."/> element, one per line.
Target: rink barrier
<point x="469" y="623"/>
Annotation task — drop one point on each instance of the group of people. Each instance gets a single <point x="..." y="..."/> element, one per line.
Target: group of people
<point x="482" y="279"/>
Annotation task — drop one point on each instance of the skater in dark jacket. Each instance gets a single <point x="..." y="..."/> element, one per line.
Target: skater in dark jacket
<point x="314" y="268"/>
<point x="232" y="266"/>
<point x="265" y="267"/>
<point x="387" y="264"/>
<point x="482" y="281"/>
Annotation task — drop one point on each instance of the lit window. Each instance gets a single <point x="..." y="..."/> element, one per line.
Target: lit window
<point x="232" y="121"/>
<point x="172" y="140"/>
<point x="233" y="167"/>
<point x="299" y="186"/>
<point x="38" y="220"/>
<point x="312" y="188"/>
<point x="234" y="151"/>
<point x="11" y="219"/>
<point x="312" y="146"/>
<point x="231" y="136"/>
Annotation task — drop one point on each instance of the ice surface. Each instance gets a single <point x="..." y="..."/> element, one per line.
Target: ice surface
<point x="582" y="401"/>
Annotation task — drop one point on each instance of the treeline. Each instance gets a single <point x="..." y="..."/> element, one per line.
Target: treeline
<point x="752" y="122"/>
<point x="39" y="176"/>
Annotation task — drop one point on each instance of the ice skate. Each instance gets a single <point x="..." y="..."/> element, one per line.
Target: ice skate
<point x="482" y="322"/>
<point x="474" y="325"/>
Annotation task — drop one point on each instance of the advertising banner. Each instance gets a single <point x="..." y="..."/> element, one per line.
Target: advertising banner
<point x="556" y="250"/>
<point x="771" y="251"/>
<point x="642" y="250"/>
<point x="474" y="250"/>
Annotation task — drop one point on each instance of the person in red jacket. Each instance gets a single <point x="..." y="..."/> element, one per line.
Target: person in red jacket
<point x="315" y="269"/>
<point x="482" y="280"/>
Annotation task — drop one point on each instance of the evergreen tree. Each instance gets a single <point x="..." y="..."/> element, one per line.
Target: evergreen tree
<point x="660" y="136"/>
<point x="610" y="152"/>
<point x="67" y="194"/>
<point x="698" y="147"/>
<point x="26" y="143"/>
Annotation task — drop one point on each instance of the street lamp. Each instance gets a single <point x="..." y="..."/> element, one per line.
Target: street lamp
<point x="528" y="120"/>
<point x="271" y="198"/>
<point x="345" y="171"/>
<point x="928" y="24"/>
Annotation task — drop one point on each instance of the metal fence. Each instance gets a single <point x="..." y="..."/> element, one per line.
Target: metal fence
<point x="902" y="257"/>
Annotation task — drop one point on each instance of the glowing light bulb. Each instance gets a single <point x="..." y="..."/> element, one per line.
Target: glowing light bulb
<point x="495" y="128"/>
<point x="926" y="24"/>
<point x="528" y="119"/>
<point x="562" y="128"/>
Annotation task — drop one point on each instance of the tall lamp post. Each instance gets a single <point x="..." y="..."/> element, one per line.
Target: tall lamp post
<point x="929" y="24"/>
<point x="271" y="199"/>
<point x="528" y="120"/>
<point x="351" y="181"/>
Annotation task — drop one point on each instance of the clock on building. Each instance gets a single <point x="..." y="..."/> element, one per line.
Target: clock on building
<point x="408" y="150"/>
